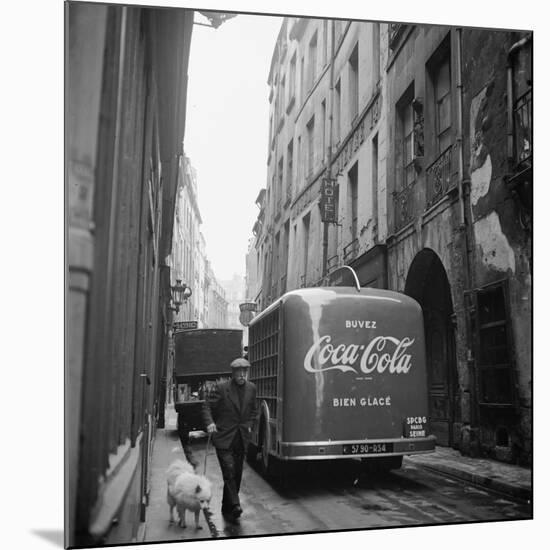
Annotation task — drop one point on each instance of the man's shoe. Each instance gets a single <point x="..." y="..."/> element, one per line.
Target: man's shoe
<point x="237" y="512"/>
<point x="226" y="511"/>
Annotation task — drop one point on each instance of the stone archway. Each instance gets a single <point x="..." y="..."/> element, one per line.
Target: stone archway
<point x="427" y="283"/>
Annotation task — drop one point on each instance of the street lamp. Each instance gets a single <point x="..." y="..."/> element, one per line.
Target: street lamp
<point x="180" y="294"/>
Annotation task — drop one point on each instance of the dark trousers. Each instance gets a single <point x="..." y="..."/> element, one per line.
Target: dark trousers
<point x="231" y="463"/>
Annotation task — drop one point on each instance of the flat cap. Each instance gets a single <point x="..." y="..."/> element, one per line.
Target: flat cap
<point x="240" y="363"/>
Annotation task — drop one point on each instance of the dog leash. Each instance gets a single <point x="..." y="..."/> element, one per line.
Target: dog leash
<point x="206" y="453"/>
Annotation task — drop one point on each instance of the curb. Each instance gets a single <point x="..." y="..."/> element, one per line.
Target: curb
<point x="520" y="493"/>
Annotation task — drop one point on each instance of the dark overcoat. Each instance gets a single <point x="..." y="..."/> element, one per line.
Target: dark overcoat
<point x="222" y="407"/>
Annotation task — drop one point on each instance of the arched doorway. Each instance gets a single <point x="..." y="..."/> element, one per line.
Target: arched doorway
<point x="427" y="283"/>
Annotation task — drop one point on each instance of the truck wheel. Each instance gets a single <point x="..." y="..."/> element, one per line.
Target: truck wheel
<point x="252" y="453"/>
<point x="267" y="462"/>
<point x="264" y="449"/>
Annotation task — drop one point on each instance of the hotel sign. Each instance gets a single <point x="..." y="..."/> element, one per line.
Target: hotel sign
<point x="327" y="203"/>
<point x="186" y="325"/>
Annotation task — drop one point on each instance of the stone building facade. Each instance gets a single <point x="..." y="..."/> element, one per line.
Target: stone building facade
<point x="415" y="143"/>
<point x="125" y="95"/>
<point x="235" y="295"/>
<point x="184" y="259"/>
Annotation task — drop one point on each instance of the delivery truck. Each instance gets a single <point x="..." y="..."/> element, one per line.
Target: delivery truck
<point x="202" y="358"/>
<point x="340" y="373"/>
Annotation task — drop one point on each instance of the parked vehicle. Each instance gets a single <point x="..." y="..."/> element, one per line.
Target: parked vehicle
<point x="340" y="373"/>
<point x="202" y="357"/>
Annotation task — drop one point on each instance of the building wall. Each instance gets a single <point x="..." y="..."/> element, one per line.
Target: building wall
<point x="185" y="256"/>
<point x="473" y="226"/>
<point x="501" y="233"/>
<point x="341" y="141"/>
<point x="444" y="215"/>
<point x="217" y="303"/>
<point x="120" y="224"/>
<point x="234" y="294"/>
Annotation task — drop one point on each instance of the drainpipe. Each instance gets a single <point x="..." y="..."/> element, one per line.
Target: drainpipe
<point x="460" y="137"/>
<point x="468" y="275"/>
<point x="328" y="151"/>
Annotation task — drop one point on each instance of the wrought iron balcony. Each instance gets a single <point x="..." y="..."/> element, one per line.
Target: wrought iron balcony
<point x="440" y="176"/>
<point x="332" y="263"/>
<point x="288" y="195"/>
<point x="523" y="125"/>
<point x="351" y="250"/>
<point x="403" y="202"/>
<point x="278" y="209"/>
<point x="396" y="31"/>
<point x="283" y="284"/>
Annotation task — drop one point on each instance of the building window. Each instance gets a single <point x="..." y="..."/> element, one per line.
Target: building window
<point x="376" y="52"/>
<point x="442" y="97"/>
<point x="352" y="194"/>
<point x="323" y="129"/>
<point x="282" y="101"/>
<point x="305" y="233"/>
<point x="337" y="113"/>
<point x="302" y="83"/>
<point x="325" y="42"/>
<point x="494" y="350"/>
<point x="289" y="169"/>
<point x="291" y="81"/>
<point x="405" y="153"/>
<point x="354" y="83"/>
<point x="338" y="30"/>
<point x="374" y="172"/>
<point x="284" y="256"/>
<point x="299" y="164"/>
<point x="310" y="145"/>
<point x="279" y="191"/>
<point x="312" y="68"/>
<point x="275" y="275"/>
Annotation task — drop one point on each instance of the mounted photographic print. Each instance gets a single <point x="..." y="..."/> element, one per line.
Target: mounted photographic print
<point x="299" y="270"/>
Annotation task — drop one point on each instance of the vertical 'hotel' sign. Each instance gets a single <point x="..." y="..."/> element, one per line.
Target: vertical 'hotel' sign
<point x="328" y="201"/>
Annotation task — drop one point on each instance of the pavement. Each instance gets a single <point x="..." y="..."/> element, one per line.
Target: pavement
<point x="507" y="479"/>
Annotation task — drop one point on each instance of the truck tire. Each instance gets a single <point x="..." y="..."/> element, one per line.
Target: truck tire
<point x="267" y="462"/>
<point x="252" y="453"/>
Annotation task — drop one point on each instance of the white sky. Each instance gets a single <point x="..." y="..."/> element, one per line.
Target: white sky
<point x="226" y="131"/>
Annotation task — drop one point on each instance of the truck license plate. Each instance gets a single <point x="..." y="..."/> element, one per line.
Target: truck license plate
<point x="367" y="448"/>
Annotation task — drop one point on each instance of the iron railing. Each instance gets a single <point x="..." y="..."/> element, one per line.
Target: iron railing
<point x="283" y="284"/>
<point x="403" y="202"/>
<point x="332" y="263"/>
<point x="288" y="195"/>
<point x="351" y="250"/>
<point x="523" y="127"/>
<point x="440" y="177"/>
<point x="396" y="30"/>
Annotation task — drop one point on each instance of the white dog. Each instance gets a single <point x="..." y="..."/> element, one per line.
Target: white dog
<point x="187" y="491"/>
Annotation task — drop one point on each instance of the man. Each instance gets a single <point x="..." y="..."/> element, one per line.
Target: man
<point x="229" y="413"/>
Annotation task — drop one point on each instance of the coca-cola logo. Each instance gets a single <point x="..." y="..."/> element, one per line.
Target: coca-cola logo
<point x="381" y="354"/>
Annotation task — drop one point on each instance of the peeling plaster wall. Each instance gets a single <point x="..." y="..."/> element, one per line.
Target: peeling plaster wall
<point x="496" y="252"/>
<point x="500" y="244"/>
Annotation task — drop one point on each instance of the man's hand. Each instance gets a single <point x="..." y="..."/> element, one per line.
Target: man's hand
<point x="211" y="428"/>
